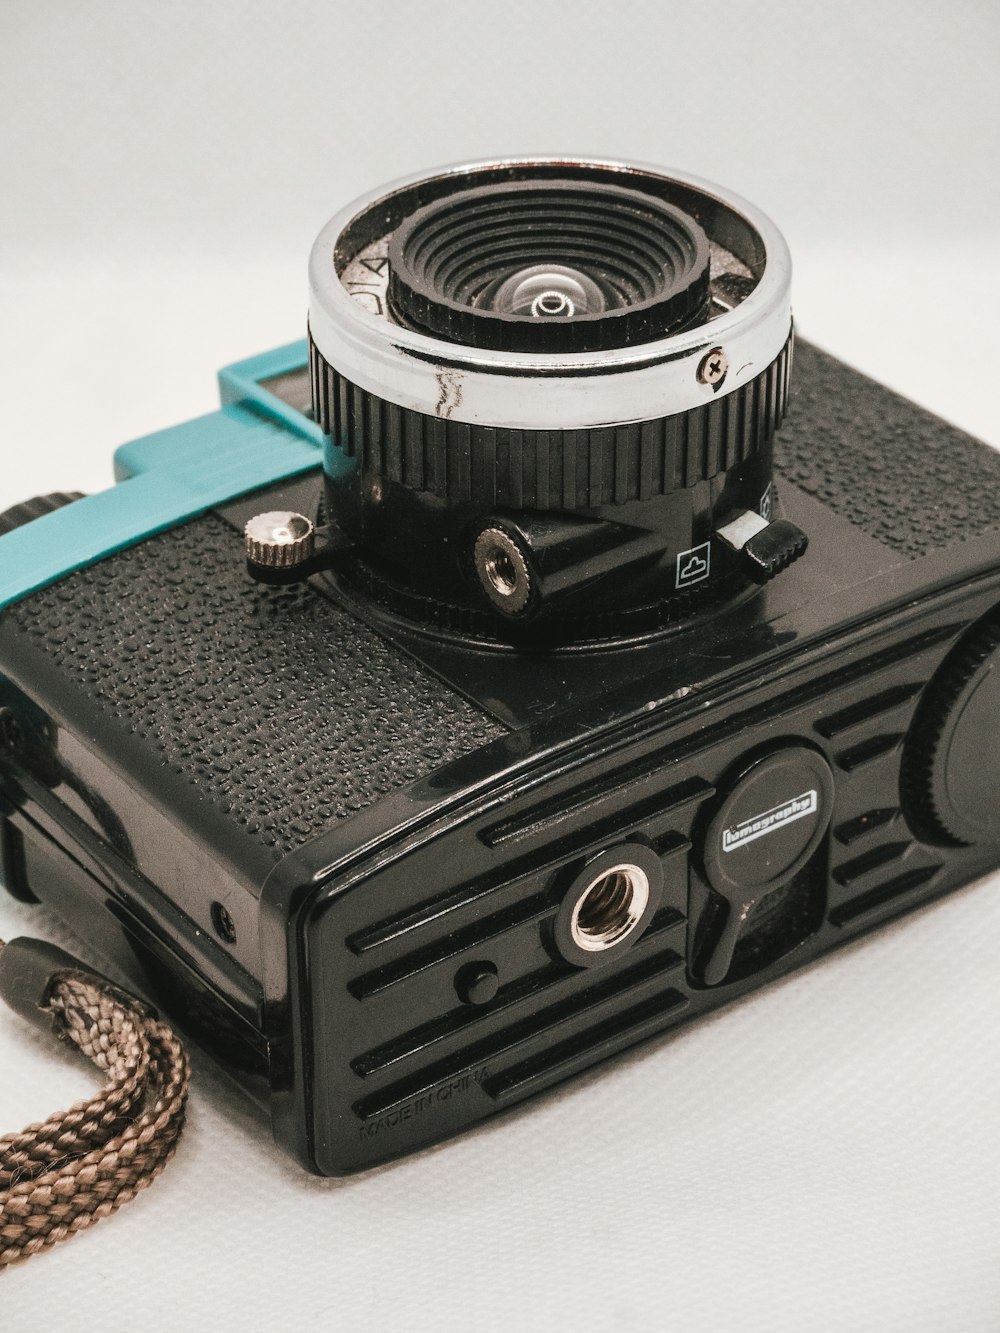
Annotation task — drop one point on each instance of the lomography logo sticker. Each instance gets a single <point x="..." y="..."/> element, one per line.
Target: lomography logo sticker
<point x="768" y="821"/>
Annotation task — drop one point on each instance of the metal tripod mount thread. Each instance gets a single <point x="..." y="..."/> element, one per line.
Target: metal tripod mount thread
<point x="503" y="571"/>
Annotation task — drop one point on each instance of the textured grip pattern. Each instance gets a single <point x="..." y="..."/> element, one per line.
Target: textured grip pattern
<point x="905" y="477"/>
<point x="281" y="708"/>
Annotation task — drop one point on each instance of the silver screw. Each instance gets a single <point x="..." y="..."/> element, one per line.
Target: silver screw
<point x="279" y="540"/>
<point x="713" y="366"/>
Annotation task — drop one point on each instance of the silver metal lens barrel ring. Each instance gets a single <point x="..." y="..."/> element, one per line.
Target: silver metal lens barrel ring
<point x="352" y="326"/>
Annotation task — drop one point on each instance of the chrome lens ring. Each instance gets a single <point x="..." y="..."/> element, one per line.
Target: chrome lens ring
<point x="352" y="327"/>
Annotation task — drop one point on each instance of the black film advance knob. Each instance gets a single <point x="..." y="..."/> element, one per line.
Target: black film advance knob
<point x="951" y="760"/>
<point x="770" y="821"/>
<point x="24" y="513"/>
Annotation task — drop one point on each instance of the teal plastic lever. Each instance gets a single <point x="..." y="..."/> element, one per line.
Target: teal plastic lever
<point x="167" y="478"/>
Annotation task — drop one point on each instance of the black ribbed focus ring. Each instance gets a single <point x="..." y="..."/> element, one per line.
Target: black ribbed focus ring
<point x="549" y="469"/>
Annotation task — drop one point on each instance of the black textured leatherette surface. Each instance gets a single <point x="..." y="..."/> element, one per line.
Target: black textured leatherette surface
<point x="905" y="477"/>
<point x="284" y="711"/>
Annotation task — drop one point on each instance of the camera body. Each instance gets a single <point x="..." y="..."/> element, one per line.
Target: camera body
<point x="397" y="876"/>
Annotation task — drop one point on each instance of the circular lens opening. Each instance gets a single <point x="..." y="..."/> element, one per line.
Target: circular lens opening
<point x="548" y="291"/>
<point x="610" y="908"/>
<point x="549" y="265"/>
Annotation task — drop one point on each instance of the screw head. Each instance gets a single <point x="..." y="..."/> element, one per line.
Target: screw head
<point x="222" y="923"/>
<point x="713" y="366"/>
<point x="279" y="540"/>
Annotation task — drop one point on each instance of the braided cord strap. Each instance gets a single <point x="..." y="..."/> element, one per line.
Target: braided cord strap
<point x="61" y="1176"/>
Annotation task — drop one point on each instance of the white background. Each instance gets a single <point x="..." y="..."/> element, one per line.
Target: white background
<point x="824" y="1155"/>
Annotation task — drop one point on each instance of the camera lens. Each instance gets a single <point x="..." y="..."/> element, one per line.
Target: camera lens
<point x="548" y="266"/>
<point x="549" y="389"/>
<point x="549" y="291"/>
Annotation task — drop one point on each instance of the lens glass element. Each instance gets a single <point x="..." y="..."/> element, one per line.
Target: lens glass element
<point x="548" y="291"/>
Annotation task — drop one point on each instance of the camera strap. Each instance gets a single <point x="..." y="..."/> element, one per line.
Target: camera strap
<point x="61" y="1176"/>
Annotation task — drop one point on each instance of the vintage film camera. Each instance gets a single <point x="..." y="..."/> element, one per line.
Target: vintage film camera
<point x="514" y="693"/>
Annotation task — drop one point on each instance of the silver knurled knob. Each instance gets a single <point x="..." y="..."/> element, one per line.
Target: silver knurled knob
<point x="279" y="540"/>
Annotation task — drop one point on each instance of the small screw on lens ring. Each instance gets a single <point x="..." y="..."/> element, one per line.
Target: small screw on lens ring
<point x="713" y="367"/>
<point x="503" y="572"/>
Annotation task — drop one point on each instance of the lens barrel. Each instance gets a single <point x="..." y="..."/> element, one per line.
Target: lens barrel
<point x="549" y="390"/>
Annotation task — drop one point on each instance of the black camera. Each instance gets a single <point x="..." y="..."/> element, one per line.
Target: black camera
<point x="490" y="685"/>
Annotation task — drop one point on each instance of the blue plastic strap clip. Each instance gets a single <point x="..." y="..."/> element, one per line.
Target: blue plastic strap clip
<point x="174" y="475"/>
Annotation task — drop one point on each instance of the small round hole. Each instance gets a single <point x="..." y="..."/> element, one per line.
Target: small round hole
<point x="223" y="924"/>
<point x="501" y="572"/>
<point x="609" y="908"/>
